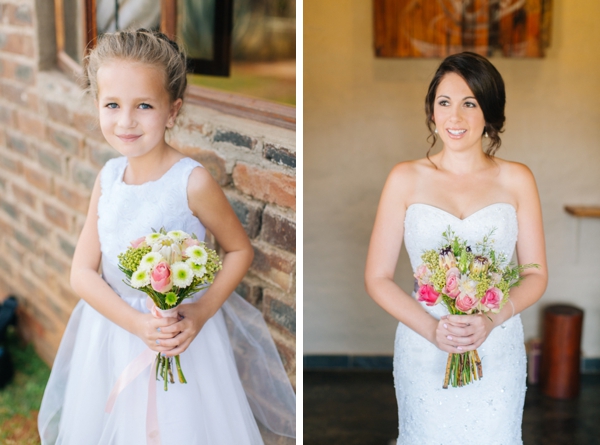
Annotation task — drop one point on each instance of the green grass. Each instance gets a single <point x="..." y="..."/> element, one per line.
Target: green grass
<point x="20" y="400"/>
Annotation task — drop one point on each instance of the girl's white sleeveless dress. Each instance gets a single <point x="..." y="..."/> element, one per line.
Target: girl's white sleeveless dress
<point x="488" y="411"/>
<point x="232" y="367"/>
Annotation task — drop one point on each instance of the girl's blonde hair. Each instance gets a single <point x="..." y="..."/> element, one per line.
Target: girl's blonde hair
<point x="142" y="45"/>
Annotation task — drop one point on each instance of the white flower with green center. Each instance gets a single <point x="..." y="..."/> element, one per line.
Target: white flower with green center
<point x="197" y="254"/>
<point x="150" y="260"/>
<point x="154" y="238"/>
<point x="140" y="278"/>
<point x="181" y="274"/>
<point x="198" y="269"/>
<point x="177" y="235"/>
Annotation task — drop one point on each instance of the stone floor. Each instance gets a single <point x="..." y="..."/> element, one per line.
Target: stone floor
<point x="359" y="408"/>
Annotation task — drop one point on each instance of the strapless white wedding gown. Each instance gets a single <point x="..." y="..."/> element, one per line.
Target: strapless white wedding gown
<point x="488" y="411"/>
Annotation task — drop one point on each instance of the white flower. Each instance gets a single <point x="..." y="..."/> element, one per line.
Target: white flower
<point x="467" y="286"/>
<point x="140" y="278"/>
<point x="197" y="254"/>
<point x="150" y="260"/>
<point x="170" y="252"/>
<point x="181" y="274"/>
<point x="154" y="238"/>
<point x="177" y="235"/>
<point x="198" y="269"/>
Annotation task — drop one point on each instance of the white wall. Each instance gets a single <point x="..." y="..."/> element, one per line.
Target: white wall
<point x="362" y="115"/>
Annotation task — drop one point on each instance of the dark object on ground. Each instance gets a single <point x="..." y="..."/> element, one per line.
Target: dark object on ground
<point x="6" y="367"/>
<point x="7" y="316"/>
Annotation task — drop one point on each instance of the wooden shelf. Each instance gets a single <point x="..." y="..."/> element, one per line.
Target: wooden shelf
<point x="584" y="211"/>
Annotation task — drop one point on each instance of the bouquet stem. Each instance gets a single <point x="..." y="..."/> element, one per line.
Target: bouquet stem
<point x="447" y="377"/>
<point x="462" y="369"/>
<point x="179" y="371"/>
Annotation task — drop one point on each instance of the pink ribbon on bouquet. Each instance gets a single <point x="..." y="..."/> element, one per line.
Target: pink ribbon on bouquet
<point x="134" y="369"/>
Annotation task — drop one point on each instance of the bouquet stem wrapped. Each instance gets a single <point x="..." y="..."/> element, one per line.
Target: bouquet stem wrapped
<point x="168" y="267"/>
<point x="467" y="281"/>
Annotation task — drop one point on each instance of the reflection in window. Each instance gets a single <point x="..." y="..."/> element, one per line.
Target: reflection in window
<point x="263" y="51"/>
<point x="196" y="24"/>
<point x="113" y="15"/>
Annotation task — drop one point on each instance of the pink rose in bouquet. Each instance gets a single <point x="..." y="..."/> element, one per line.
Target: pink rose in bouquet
<point x="161" y="278"/>
<point x="422" y="275"/>
<point x="452" y="283"/>
<point x="466" y="303"/>
<point x="189" y="242"/>
<point x="492" y="299"/>
<point x="428" y="295"/>
<point x="136" y="243"/>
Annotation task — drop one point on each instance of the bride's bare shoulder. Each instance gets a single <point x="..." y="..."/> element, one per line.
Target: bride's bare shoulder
<point x="515" y="173"/>
<point x="410" y="170"/>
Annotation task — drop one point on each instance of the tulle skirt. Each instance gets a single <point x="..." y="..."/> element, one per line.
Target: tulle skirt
<point x="214" y="407"/>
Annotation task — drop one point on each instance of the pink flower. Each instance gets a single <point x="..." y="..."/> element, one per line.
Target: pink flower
<point x="160" y="279"/>
<point x="422" y="274"/>
<point x="492" y="299"/>
<point x="136" y="243"/>
<point x="466" y="303"/>
<point x="428" y="294"/>
<point x="189" y="242"/>
<point x="452" y="282"/>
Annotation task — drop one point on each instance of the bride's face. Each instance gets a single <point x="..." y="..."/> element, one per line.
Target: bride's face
<point x="457" y="115"/>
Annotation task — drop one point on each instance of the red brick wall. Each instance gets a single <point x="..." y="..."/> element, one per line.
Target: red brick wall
<point x="51" y="151"/>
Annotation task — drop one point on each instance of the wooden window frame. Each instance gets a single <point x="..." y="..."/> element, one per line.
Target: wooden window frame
<point x="230" y="103"/>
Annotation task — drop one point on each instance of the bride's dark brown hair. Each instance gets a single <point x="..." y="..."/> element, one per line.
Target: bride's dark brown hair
<point x="487" y="85"/>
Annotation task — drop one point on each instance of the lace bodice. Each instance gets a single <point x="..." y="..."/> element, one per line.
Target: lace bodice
<point x="127" y="212"/>
<point x="424" y="224"/>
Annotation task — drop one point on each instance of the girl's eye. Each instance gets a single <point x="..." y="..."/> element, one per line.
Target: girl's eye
<point x="145" y="106"/>
<point x="443" y="103"/>
<point x="470" y="104"/>
<point x="112" y="105"/>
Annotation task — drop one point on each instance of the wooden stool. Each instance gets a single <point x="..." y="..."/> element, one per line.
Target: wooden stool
<point x="561" y="351"/>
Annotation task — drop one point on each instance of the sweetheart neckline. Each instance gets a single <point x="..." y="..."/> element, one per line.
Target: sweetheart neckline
<point x="467" y="217"/>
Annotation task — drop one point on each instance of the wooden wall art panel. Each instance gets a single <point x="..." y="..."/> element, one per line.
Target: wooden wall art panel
<point x="438" y="28"/>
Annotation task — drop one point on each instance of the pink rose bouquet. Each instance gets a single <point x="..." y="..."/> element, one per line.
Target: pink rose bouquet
<point x="168" y="267"/>
<point x="466" y="281"/>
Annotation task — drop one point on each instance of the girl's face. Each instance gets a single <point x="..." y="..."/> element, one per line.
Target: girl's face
<point x="134" y="106"/>
<point x="458" y="118"/>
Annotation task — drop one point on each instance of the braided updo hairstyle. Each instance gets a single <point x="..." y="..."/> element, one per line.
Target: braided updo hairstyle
<point x="487" y="85"/>
<point x="142" y="45"/>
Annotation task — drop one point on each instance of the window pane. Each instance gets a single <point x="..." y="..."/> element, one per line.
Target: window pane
<point x="72" y="29"/>
<point x="195" y="27"/>
<point x="112" y="15"/>
<point x="263" y="51"/>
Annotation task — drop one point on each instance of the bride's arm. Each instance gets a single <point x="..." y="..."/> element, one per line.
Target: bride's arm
<point x="384" y="248"/>
<point x="531" y="247"/>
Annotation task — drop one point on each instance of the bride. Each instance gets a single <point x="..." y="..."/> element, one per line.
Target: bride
<point x="466" y="187"/>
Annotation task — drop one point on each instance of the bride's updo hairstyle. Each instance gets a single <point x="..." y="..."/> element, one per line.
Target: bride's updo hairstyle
<point x="144" y="46"/>
<point x="487" y="85"/>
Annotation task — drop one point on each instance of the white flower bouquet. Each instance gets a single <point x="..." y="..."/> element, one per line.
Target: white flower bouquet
<point x="466" y="281"/>
<point x="168" y="267"/>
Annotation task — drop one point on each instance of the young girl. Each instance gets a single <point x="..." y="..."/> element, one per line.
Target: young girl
<point x="138" y="80"/>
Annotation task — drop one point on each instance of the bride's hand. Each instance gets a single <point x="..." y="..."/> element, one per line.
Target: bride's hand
<point x="462" y="333"/>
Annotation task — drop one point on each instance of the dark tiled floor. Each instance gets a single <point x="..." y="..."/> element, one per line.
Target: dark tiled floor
<point x="359" y="408"/>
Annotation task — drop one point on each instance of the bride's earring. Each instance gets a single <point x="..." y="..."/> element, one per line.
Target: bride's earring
<point x="435" y="131"/>
<point x="485" y="135"/>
